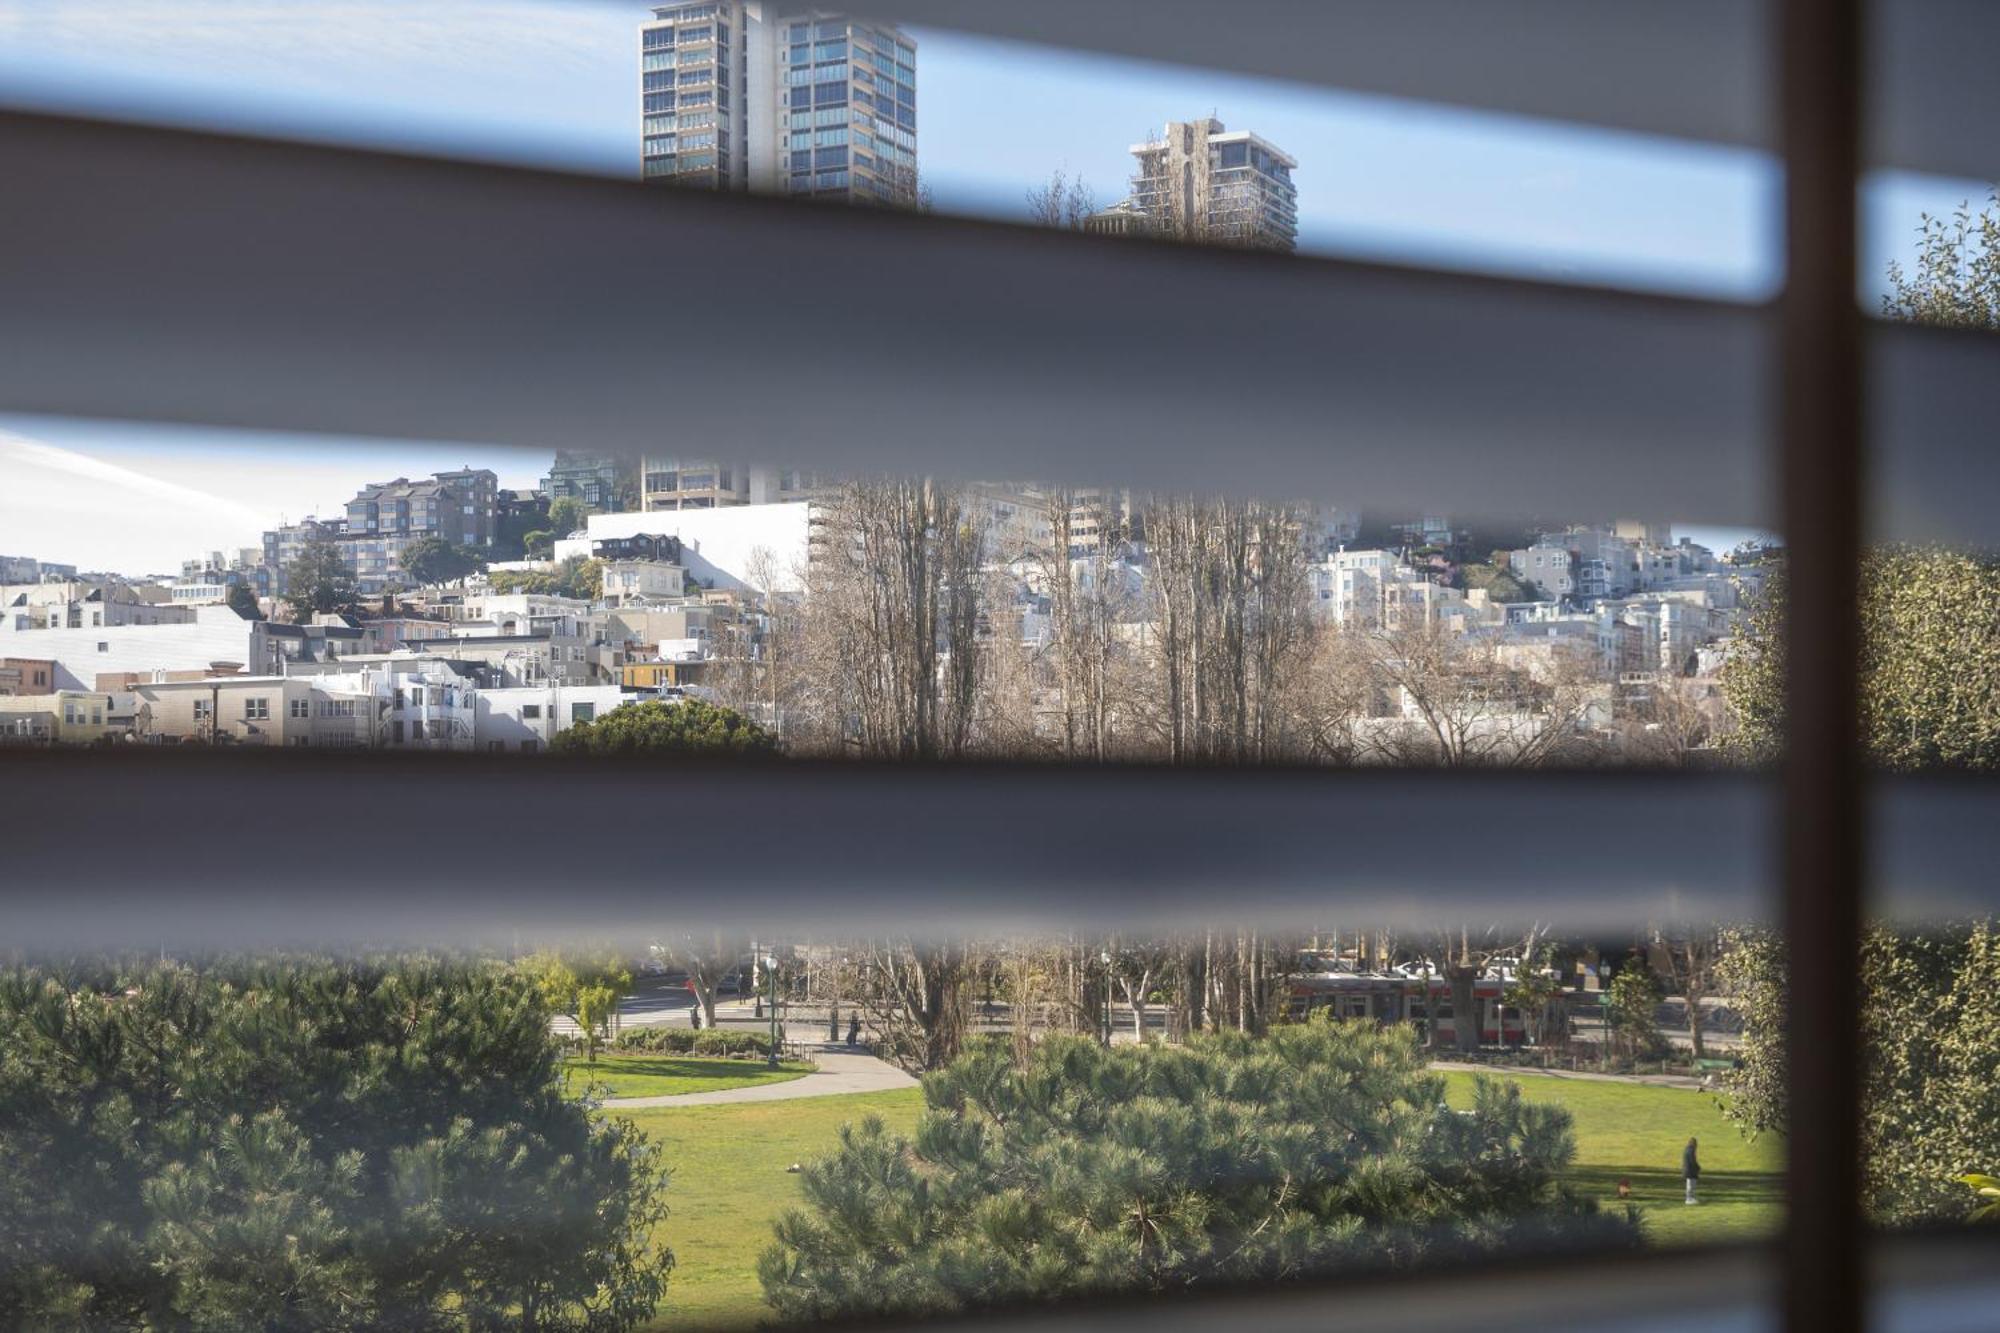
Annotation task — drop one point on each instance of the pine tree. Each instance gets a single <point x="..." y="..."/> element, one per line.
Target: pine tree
<point x="1090" y="1168"/>
<point x="302" y="1144"/>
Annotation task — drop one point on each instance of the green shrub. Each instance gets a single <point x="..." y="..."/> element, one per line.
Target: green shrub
<point x="1086" y="1169"/>
<point x="687" y="1041"/>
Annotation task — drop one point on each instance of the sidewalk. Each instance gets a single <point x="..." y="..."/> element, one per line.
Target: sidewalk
<point x="840" y="1071"/>
<point x="1684" y="1081"/>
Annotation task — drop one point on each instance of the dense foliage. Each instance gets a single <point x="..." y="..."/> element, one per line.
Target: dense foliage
<point x="1930" y="669"/>
<point x="435" y="560"/>
<point x="655" y="726"/>
<point x="1955" y="282"/>
<point x="1930" y="1012"/>
<point x="1091" y="1169"/>
<point x="577" y="577"/>
<point x="692" y="1041"/>
<point x="242" y="599"/>
<point x="309" y="1144"/>
<point x="1498" y="582"/>
<point x="319" y="581"/>
<point x="585" y="985"/>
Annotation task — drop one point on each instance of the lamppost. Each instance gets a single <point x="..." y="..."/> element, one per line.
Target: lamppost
<point x="771" y="973"/>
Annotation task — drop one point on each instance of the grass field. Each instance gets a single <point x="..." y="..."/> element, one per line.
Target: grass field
<point x="667" y="1075"/>
<point x="1632" y="1131"/>
<point x="730" y="1183"/>
<point x="730" y="1179"/>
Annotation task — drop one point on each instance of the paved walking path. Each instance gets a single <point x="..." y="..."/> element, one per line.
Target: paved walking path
<point x="1573" y="1075"/>
<point x="840" y="1071"/>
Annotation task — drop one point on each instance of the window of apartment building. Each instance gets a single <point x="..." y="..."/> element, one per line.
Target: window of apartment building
<point x="396" y="732"/>
<point x="257" y="709"/>
<point x="103" y="647"/>
<point x="582" y="713"/>
<point x="201" y="709"/>
<point x="301" y="708"/>
<point x="531" y="712"/>
<point x="530" y="746"/>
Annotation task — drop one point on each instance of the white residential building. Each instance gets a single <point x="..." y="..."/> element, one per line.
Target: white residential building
<point x="200" y="636"/>
<point x="1547" y="565"/>
<point x="1377" y="589"/>
<point x="728" y="548"/>
<point x="527" y="719"/>
<point x="629" y="581"/>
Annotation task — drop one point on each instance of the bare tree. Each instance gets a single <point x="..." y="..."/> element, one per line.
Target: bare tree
<point x="708" y="957"/>
<point x="1691" y="951"/>
<point x="918" y="996"/>
<point x="1064" y="202"/>
<point x="1470" y="705"/>
<point x="1232" y="626"/>
<point x="1462" y="954"/>
<point x="1674" y="721"/>
<point x="892" y="621"/>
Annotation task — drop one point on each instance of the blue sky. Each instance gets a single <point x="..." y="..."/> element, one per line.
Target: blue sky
<point x="553" y="82"/>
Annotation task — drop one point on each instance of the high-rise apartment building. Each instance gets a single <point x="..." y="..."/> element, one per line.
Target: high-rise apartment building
<point x="735" y="96"/>
<point x="1200" y="181"/>
<point x="457" y="506"/>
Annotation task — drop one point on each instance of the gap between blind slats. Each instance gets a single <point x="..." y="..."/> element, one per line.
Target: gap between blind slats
<point x="1691" y="69"/>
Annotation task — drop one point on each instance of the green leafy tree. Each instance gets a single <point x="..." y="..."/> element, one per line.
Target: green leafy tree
<point x="242" y="599"/>
<point x="1930" y="1111"/>
<point x="1499" y="583"/>
<point x="655" y="726"/>
<point x="320" y="581"/>
<point x="435" y="560"/>
<point x="1956" y="280"/>
<point x="538" y="544"/>
<point x="309" y="1144"/>
<point x="567" y="515"/>
<point x="1930" y="661"/>
<point x="1986" y="1189"/>
<point x="1631" y="1008"/>
<point x="580" y="577"/>
<point x="577" y="576"/>
<point x="595" y="1006"/>
<point x="1088" y="1169"/>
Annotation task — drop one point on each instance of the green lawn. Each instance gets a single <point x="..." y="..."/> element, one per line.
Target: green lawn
<point x="1631" y="1131"/>
<point x="730" y="1179"/>
<point x="666" y="1075"/>
<point x="729" y="1184"/>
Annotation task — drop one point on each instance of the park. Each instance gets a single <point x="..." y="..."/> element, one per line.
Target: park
<point x="732" y="1174"/>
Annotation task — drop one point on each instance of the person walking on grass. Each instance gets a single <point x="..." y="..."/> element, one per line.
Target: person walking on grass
<point x="1690" y="1168"/>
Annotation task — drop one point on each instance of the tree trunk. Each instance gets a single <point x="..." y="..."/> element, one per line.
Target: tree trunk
<point x="1464" y="1006"/>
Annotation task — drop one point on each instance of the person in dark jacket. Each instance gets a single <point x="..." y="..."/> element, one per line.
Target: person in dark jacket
<point x="854" y="1030"/>
<point x="1690" y="1168"/>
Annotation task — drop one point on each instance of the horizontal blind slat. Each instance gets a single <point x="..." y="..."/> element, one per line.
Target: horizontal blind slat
<point x="154" y="274"/>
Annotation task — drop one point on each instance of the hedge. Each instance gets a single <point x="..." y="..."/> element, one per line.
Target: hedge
<point x="686" y="1041"/>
